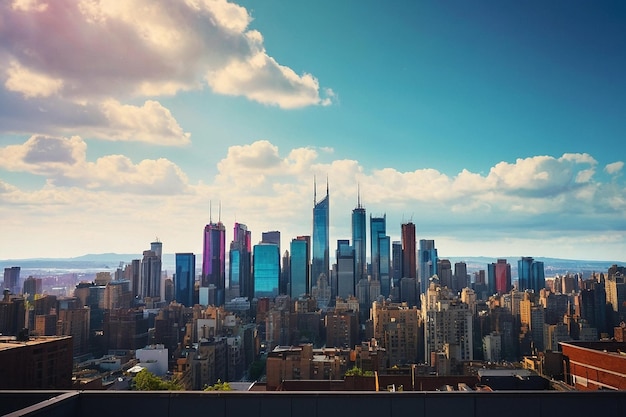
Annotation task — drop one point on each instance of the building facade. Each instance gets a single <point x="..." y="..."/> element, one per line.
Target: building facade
<point x="185" y="278"/>
<point x="321" y="243"/>
<point x="266" y="270"/>
<point x="214" y="262"/>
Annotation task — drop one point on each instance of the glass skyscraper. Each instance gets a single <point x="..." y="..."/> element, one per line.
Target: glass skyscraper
<point x="346" y="285"/>
<point x="299" y="267"/>
<point x="239" y="262"/>
<point x="214" y="260"/>
<point x="378" y="227"/>
<point x="266" y="270"/>
<point x="427" y="263"/>
<point x="359" y="240"/>
<point x="531" y="275"/>
<point x="381" y="253"/>
<point x="384" y="256"/>
<point x="184" y="280"/>
<point x="499" y="277"/>
<point x="320" y="261"/>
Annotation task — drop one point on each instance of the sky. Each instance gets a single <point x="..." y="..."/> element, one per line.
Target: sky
<point x="497" y="127"/>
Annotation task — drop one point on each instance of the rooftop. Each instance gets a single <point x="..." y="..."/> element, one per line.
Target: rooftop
<point x="313" y="404"/>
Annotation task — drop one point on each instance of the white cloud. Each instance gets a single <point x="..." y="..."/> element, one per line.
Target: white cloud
<point x="614" y="167"/>
<point x="151" y="123"/>
<point x="269" y="188"/>
<point x="79" y="50"/>
<point x="62" y="161"/>
<point x="30" y="83"/>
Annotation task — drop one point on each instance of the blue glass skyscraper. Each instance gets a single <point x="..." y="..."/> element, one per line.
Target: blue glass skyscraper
<point x="359" y="240"/>
<point x="381" y="253"/>
<point x="300" y="267"/>
<point x="320" y="261"/>
<point x="531" y="274"/>
<point x="427" y="263"/>
<point x="378" y="227"/>
<point x="240" y="268"/>
<point x="384" y="264"/>
<point x="266" y="270"/>
<point x="185" y="278"/>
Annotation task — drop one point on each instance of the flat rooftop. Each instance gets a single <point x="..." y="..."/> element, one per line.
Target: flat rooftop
<point x="313" y="404"/>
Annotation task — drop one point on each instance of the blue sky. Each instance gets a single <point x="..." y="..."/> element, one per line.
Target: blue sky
<point x="495" y="126"/>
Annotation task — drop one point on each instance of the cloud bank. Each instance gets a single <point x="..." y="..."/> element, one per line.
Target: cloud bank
<point x="543" y="197"/>
<point x="82" y="65"/>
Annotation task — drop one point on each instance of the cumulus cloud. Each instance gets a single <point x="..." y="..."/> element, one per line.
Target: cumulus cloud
<point x="62" y="161"/>
<point x="270" y="188"/>
<point x="30" y="83"/>
<point x="614" y="167"/>
<point x="78" y="51"/>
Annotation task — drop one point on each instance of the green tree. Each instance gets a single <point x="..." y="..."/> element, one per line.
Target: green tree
<point x="147" y="381"/>
<point x="219" y="386"/>
<point x="356" y="371"/>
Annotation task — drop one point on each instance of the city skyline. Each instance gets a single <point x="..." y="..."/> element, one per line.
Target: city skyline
<point x="493" y="127"/>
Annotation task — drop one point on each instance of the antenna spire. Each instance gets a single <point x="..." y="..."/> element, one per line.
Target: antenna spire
<point x="314" y="190"/>
<point x="358" y="195"/>
<point x="210" y="212"/>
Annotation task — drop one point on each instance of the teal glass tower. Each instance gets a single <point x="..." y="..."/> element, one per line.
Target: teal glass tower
<point x="359" y="242"/>
<point x="299" y="267"/>
<point x="266" y="270"/>
<point x="184" y="280"/>
<point x="320" y="261"/>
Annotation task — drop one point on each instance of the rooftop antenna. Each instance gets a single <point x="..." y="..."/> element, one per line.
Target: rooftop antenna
<point x="210" y="212"/>
<point x="326" y="185"/>
<point x="358" y="195"/>
<point x="219" y="213"/>
<point x="314" y="190"/>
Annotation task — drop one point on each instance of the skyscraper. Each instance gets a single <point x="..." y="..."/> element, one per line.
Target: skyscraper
<point x="300" y="266"/>
<point x="380" y="246"/>
<point x="531" y="275"/>
<point x="499" y="277"/>
<point x="381" y="253"/>
<point x="214" y="260"/>
<point x="274" y="237"/>
<point x="359" y="241"/>
<point x="185" y="278"/>
<point x="266" y="270"/>
<point x="239" y="262"/>
<point x="150" y="276"/>
<point x="320" y="262"/>
<point x="409" y="253"/>
<point x="460" y="276"/>
<point x="396" y="262"/>
<point x="427" y="263"/>
<point x="345" y="269"/>
<point x="12" y="279"/>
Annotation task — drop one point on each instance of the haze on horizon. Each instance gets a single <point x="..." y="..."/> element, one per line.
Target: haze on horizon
<point x="495" y="127"/>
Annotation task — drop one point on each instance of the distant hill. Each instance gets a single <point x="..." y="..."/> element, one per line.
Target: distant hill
<point x="110" y="261"/>
<point x="101" y="261"/>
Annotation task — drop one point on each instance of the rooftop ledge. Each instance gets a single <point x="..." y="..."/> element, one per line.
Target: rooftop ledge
<point x="312" y="404"/>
